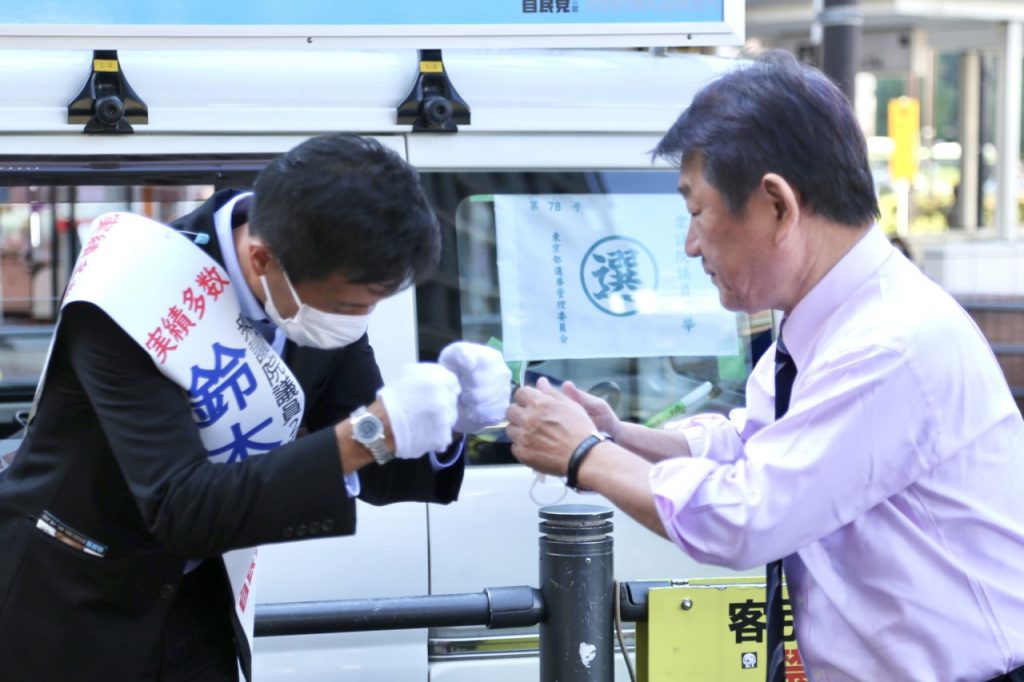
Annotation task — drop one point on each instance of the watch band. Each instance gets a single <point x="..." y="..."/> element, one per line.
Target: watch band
<point x="378" y="446"/>
<point x="379" y="450"/>
<point x="578" y="455"/>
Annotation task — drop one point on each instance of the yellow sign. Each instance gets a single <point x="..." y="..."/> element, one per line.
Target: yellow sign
<point x="105" y="65"/>
<point x="431" y="67"/>
<point x="905" y="131"/>
<point x="711" y="629"/>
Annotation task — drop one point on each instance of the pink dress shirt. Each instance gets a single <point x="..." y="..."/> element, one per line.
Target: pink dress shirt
<point x="893" y="486"/>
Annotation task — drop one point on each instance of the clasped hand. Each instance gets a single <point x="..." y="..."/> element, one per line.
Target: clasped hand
<point x="421" y="404"/>
<point x="546" y="425"/>
<point x="466" y="391"/>
<point x="485" y="381"/>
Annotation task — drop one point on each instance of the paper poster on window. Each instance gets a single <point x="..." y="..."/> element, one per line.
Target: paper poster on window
<point x="594" y="276"/>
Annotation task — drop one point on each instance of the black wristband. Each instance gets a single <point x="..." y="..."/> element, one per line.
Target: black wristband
<point x="579" y="454"/>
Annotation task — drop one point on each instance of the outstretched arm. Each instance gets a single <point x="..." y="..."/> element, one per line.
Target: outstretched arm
<point x="653" y="445"/>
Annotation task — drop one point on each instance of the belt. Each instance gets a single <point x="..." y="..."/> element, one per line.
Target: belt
<point x="1015" y="675"/>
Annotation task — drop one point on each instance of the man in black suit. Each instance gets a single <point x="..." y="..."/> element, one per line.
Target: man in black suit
<point x="112" y="516"/>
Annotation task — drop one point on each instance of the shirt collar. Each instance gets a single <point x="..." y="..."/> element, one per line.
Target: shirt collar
<point x="853" y="269"/>
<point x="250" y="306"/>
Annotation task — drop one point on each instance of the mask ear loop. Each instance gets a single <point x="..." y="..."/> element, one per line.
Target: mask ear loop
<point x="539" y="478"/>
<point x="291" y="289"/>
<point x="288" y="281"/>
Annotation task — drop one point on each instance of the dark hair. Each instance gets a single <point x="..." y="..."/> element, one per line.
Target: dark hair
<point x="778" y="116"/>
<point x="347" y="205"/>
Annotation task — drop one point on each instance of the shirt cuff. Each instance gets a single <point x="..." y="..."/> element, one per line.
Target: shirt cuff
<point x="454" y="452"/>
<point x="352" y="485"/>
<point x="674" y="482"/>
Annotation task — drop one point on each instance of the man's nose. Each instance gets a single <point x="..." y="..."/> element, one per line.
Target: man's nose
<point x="692" y="245"/>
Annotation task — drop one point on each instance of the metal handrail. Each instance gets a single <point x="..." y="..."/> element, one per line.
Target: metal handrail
<point x="994" y="306"/>
<point x="1007" y="348"/>
<point x="495" y="607"/>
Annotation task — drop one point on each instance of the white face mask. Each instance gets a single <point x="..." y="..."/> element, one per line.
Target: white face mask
<point x="312" y="327"/>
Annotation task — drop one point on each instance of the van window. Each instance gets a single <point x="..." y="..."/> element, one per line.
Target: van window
<point x="39" y="241"/>
<point x="465" y="301"/>
<point x="43" y="207"/>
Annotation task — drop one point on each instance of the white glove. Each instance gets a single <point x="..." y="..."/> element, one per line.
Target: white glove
<point x="421" y="405"/>
<point x="486" y="384"/>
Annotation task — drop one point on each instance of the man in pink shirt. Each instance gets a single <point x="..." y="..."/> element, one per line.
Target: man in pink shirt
<point x="891" y="487"/>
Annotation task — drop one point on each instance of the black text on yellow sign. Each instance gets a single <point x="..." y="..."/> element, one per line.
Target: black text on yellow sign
<point x="712" y="629"/>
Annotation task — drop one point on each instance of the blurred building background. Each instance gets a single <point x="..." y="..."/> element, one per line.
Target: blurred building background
<point x="962" y="61"/>
<point x="956" y="67"/>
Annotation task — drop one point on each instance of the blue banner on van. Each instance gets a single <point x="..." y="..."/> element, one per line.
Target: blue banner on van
<point x="358" y="12"/>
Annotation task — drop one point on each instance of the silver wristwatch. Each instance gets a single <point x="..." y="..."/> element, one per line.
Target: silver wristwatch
<point x="369" y="430"/>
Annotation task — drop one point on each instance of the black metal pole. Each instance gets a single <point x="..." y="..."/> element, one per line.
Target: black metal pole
<point x="576" y="581"/>
<point x="841" y="22"/>
<point x="495" y="607"/>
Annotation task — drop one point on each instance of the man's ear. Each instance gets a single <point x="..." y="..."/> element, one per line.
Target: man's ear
<point x="259" y="256"/>
<point x="785" y="203"/>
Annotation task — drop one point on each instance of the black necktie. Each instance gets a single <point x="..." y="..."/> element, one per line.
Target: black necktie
<point x="785" y="372"/>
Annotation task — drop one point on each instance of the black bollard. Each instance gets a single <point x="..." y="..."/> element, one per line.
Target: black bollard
<point x="576" y="580"/>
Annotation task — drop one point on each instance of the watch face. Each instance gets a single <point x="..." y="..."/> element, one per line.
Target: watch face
<point x="368" y="429"/>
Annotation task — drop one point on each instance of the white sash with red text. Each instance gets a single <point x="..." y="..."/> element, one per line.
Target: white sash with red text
<point x="180" y="306"/>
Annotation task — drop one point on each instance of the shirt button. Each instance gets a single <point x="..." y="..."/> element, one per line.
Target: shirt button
<point x="288" y="531"/>
<point x="166" y="591"/>
<point x="328" y="525"/>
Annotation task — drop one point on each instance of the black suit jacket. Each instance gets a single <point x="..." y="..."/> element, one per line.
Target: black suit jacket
<point x="114" y="453"/>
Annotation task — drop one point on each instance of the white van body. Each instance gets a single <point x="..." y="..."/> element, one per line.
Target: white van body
<point x="532" y="110"/>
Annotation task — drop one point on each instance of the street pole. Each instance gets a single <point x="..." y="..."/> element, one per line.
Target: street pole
<point x="841" y="22"/>
<point x="577" y="581"/>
